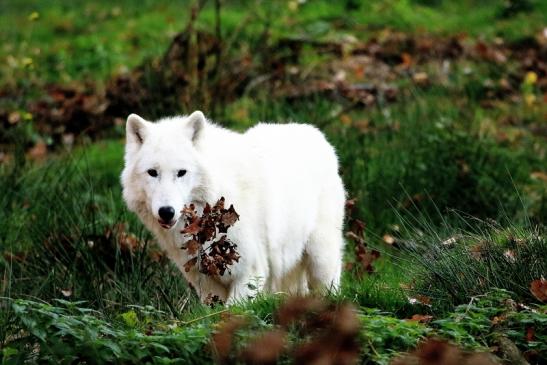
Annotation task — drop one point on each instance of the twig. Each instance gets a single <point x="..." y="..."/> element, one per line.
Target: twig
<point x="372" y="347"/>
<point x="203" y="317"/>
<point x="217" y="69"/>
<point x="188" y="30"/>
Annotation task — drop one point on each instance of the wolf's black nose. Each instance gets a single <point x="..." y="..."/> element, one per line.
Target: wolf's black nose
<point x="166" y="213"/>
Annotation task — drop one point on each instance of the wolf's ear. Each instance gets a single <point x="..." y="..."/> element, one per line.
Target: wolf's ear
<point x="135" y="129"/>
<point x="195" y="122"/>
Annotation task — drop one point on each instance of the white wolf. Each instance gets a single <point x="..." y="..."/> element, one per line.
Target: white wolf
<point x="282" y="180"/>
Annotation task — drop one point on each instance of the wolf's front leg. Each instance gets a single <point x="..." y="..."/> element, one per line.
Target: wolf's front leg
<point x="245" y="288"/>
<point x="208" y="289"/>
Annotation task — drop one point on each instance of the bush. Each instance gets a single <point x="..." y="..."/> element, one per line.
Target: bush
<point x="68" y="333"/>
<point x="456" y="264"/>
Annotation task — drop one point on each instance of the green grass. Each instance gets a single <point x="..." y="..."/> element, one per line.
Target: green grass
<point x="79" y="41"/>
<point x="76" y="41"/>
<point x="57" y="218"/>
<point x="67" y="331"/>
<point x="460" y="261"/>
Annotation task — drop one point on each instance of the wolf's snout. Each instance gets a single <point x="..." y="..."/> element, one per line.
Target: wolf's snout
<point x="166" y="213"/>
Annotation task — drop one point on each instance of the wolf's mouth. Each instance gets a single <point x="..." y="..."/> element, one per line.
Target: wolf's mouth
<point x="166" y="225"/>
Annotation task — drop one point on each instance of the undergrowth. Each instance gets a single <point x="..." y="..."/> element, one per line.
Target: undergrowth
<point x="67" y="331"/>
<point x="454" y="264"/>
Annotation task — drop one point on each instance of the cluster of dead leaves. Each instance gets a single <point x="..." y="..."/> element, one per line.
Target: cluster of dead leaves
<point x="328" y="333"/>
<point x="198" y="64"/>
<point x="71" y="110"/>
<point x="437" y="352"/>
<point x="361" y="74"/>
<point x="127" y="242"/>
<point x="364" y="257"/>
<point x="118" y="243"/>
<point x="213" y="252"/>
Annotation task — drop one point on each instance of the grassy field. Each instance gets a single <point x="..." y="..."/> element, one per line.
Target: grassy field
<point x="436" y="108"/>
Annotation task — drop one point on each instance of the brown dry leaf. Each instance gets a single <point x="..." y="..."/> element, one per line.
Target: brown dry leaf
<point x="190" y="263"/>
<point x="128" y="242"/>
<point x="363" y="257"/>
<point x="14" y="117"/>
<point x="477" y="250"/>
<point x="193" y="228"/>
<point x="434" y="352"/>
<point x="329" y="350"/>
<point x="296" y="307"/>
<point x="213" y="300"/>
<point x="334" y="332"/>
<point x="345" y="119"/>
<point x="358" y="227"/>
<point x="366" y="258"/>
<point x="192" y="246"/>
<point x="190" y="211"/>
<point x="440" y="352"/>
<point x="265" y="349"/>
<point x="530" y="334"/>
<point x="93" y="104"/>
<point x="219" y="205"/>
<point x="329" y="334"/>
<point x="359" y="72"/>
<point x="539" y="289"/>
<point x="38" y="152"/>
<point x="498" y="319"/>
<point x="222" y="339"/>
<point x="422" y="318"/>
<point x="354" y="237"/>
<point x="155" y="255"/>
<point x="504" y="84"/>
<point x="209" y="229"/>
<point x="350" y="204"/>
<point x="539" y="175"/>
<point x="482" y="49"/>
<point x="420" y="78"/>
<point x="346" y="320"/>
<point x="406" y="60"/>
<point x="67" y="292"/>
<point x="229" y="217"/>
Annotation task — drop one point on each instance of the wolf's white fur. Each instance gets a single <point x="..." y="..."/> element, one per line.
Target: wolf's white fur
<point x="282" y="180"/>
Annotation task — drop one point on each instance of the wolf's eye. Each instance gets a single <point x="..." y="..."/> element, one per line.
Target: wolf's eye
<point x="181" y="173"/>
<point x="152" y="173"/>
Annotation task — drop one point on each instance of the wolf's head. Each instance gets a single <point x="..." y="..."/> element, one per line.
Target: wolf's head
<point x="162" y="165"/>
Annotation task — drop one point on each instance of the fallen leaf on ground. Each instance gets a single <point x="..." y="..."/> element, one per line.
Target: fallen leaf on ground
<point x="422" y="318"/>
<point x="389" y="239"/>
<point x="539" y="289"/>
